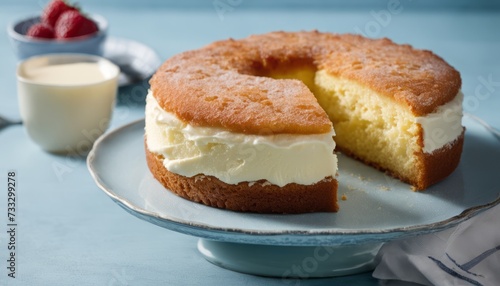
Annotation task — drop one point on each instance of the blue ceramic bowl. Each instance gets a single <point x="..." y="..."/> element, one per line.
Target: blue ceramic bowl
<point x="26" y="47"/>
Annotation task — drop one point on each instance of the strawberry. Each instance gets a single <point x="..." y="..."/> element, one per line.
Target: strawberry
<point x="53" y="11"/>
<point x="41" y="30"/>
<point x="73" y="24"/>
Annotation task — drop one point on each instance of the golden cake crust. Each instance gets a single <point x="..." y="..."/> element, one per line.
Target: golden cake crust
<point x="439" y="164"/>
<point x="258" y="197"/>
<point x="219" y="85"/>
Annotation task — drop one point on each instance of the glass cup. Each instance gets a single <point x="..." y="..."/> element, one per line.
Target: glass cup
<point x="66" y="100"/>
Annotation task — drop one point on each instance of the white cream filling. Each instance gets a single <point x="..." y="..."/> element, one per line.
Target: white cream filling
<point x="233" y="157"/>
<point x="443" y="126"/>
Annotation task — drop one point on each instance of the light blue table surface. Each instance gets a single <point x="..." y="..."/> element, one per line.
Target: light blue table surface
<point x="70" y="233"/>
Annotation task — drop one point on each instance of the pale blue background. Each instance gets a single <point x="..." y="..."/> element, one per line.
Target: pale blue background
<point x="70" y="233"/>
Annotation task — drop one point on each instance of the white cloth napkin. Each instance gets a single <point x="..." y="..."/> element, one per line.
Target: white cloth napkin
<point x="468" y="254"/>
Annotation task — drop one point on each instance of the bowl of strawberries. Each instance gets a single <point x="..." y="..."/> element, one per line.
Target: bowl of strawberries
<point x="61" y="28"/>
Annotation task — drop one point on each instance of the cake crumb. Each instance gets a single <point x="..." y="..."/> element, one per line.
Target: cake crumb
<point x="351" y="188"/>
<point x="384" y="188"/>
<point x="361" y="178"/>
<point x="344" y="197"/>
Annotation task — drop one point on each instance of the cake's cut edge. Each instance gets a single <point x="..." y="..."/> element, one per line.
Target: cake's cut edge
<point x="434" y="167"/>
<point x="257" y="197"/>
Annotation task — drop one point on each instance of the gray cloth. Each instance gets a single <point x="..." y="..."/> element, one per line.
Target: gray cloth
<point x="468" y="254"/>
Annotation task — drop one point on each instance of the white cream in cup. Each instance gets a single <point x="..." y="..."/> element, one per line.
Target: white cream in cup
<point x="66" y="100"/>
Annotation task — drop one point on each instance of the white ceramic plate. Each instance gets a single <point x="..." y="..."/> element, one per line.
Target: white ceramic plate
<point x="377" y="209"/>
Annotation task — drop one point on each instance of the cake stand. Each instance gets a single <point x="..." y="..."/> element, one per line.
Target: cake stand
<point x="376" y="208"/>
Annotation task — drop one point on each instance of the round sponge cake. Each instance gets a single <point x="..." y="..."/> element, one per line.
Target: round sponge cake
<point x="392" y="106"/>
